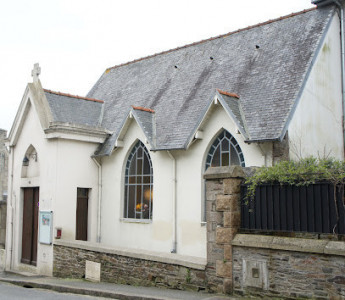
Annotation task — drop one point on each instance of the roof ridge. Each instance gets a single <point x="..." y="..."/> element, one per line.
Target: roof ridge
<point x="143" y="109"/>
<point x="214" y="38"/>
<point x="234" y="95"/>
<point x="73" y="96"/>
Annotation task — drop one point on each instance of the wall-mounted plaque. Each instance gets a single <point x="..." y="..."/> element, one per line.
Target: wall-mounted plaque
<point x="46" y="227"/>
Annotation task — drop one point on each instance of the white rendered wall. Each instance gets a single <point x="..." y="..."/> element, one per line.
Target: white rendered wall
<point x="31" y="134"/>
<point x="316" y="126"/>
<point x="75" y="169"/>
<point x="158" y="234"/>
<point x="62" y="166"/>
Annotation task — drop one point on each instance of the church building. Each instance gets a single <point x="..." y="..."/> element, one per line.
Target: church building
<point x="123" y="166"/>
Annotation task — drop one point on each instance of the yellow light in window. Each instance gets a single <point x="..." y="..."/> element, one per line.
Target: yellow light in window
<point x="148" y="195"/>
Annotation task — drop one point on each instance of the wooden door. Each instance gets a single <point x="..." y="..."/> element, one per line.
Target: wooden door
<point x="30" y="226"/>
<point x="82" y="214"/>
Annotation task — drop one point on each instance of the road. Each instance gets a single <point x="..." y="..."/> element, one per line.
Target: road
<point x="10" y="291"/>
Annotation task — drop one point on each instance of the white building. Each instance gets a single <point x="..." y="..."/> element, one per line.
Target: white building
<point x="123" y="166"/>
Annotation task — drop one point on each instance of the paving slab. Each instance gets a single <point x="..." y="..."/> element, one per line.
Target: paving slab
<point x="106" y="290"/>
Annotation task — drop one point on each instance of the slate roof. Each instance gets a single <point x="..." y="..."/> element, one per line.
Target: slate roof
<point x="76" y="110"/>
<point x="266" y="65"/>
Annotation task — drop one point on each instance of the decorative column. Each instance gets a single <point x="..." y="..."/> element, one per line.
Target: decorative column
<point x="223" y="186"/>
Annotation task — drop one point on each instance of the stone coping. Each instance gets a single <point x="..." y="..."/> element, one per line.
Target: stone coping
<point x="224" y="172"/>
<point x="290" y="244"/>
<point x="168" y="258"/>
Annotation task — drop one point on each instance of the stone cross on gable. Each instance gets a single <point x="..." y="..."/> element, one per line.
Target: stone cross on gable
<point x="36" y="72"/>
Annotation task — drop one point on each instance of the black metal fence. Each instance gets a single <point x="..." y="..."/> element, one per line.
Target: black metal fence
<point x="317" y="208"/>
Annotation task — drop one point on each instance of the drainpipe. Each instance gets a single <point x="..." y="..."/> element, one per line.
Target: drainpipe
<point x="174" y="243"/>
<point x="99" y="166"/>
<point x="10" y="240"/>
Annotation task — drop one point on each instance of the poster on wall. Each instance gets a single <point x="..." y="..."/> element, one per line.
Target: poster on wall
<point x="46" y="227"/>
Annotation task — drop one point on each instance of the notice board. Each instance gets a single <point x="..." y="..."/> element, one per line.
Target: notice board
<point x="46" y="227"/>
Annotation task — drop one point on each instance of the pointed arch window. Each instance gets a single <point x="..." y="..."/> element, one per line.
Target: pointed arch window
<point x="138" y="184"/>
<point x="225" y="151"/>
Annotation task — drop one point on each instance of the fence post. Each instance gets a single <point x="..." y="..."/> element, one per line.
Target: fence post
<point x="223" y="185"/>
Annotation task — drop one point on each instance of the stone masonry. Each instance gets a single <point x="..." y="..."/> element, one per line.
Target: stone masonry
<point x="223" y="221"/>
<point x="295" y="268"/>
<point x="70" y="262"/>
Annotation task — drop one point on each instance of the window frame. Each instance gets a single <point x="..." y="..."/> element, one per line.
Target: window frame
<point x="217" y="142"/>
<point x="141" y="182"/>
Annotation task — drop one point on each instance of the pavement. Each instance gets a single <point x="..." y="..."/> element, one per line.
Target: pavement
<point x="106" y="290"/>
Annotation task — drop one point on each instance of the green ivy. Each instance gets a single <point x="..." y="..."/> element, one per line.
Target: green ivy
<point x="304" y="172"/>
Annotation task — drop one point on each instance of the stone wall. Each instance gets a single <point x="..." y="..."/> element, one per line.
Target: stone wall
<point x="291" y="268"/>
<point x="128" y="267"/>
<point x="223" y="221"/>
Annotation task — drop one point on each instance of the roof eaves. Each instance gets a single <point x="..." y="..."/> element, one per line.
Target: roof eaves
<point x="167" y="148"/>
<point x="262" y="140"/>
<point x="71" y="126"/>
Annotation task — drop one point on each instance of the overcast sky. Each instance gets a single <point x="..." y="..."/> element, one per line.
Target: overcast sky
<point x="74" y="41"/>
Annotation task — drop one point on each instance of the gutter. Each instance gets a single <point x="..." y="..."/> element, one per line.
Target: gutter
<point x="99" y="166"/>
<point x="174" y="243"/>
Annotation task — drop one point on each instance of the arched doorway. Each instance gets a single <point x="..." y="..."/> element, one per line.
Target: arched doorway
<point x="30" y="169"/>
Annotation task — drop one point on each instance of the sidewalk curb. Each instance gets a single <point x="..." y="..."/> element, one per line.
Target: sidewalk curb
<point x="79" y="291"/>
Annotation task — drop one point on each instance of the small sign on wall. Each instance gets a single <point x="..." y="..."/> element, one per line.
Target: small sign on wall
<point x="46" y="227"/>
